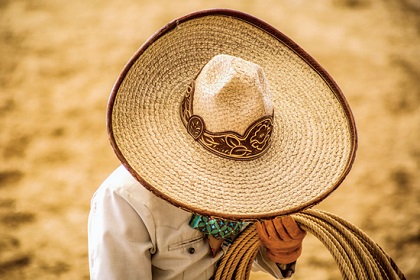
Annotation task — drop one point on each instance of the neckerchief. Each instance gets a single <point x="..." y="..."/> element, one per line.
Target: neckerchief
<point x="216" y="230"/>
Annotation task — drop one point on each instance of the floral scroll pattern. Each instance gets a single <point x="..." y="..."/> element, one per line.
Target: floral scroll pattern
<point x="252" y="144"/>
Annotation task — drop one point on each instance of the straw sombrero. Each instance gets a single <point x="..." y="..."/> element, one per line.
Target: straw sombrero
<point x="161" y="114"/>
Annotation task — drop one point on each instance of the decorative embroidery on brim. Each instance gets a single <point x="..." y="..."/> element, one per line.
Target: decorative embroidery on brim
<point x="229" y="144"/>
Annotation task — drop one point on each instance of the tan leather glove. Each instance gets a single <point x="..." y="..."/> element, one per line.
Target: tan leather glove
<point x="282" y="238"/>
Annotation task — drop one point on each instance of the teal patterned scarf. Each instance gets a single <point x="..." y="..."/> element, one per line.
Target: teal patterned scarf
<point x="218" y="228"/>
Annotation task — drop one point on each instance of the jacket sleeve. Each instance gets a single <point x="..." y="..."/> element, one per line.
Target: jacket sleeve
<point x="120" y="245"/>
<point x="279" y="271"/>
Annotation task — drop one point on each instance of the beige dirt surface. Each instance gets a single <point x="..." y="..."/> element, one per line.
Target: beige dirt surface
<point x="60" y="59"/>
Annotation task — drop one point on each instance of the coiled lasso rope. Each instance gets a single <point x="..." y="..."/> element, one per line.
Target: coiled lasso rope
<point x="357" y="256"/>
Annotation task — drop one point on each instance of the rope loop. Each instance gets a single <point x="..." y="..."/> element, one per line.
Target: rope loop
<point x="357" y="256"/>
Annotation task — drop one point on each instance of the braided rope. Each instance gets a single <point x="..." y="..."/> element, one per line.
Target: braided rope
<point x="357" y="256"/>
<point x="237" y="262"/>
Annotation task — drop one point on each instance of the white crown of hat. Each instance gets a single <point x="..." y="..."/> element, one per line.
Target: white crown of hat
<point x="231" y="93"/>
<point x="228" y="108"/>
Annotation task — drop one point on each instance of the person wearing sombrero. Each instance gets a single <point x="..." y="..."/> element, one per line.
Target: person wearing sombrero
<point x="219" y="120"/>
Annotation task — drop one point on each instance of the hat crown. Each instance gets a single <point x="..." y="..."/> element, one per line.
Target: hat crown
<point x="231" y="93"/>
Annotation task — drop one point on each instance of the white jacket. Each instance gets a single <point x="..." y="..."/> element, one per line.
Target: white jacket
<point x="133" y="234"/>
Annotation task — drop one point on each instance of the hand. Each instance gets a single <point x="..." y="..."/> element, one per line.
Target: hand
<point x="282" y="238"/>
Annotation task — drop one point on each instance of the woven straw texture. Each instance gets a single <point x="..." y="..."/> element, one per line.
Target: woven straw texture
<point x="313" y="141"/>
<point x="233" y="98"/>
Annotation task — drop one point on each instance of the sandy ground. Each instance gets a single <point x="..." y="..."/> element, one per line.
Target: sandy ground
<point x="59" y="60"/>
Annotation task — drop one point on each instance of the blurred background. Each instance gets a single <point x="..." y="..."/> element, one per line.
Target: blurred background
<point x="60" y="59"/>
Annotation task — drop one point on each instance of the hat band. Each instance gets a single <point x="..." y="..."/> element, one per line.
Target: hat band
<point x="229" y="144"/>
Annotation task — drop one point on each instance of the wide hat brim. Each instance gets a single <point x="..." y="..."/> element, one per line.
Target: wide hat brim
<point x="314" y="136"/>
